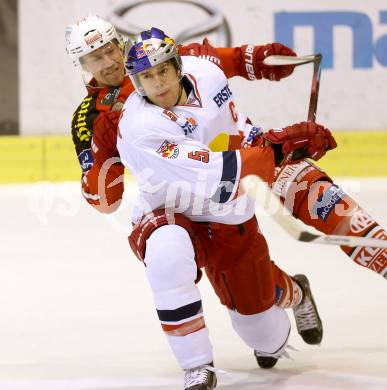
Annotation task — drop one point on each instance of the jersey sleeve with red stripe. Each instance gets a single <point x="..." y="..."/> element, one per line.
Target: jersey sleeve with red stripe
<point x="245" y="61"/>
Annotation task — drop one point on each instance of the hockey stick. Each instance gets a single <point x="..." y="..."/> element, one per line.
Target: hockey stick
<point x="265" y="198"/>
<point x="277" y="60"/>
<point x="281" y="215"/>
<point x="315" y="88"/>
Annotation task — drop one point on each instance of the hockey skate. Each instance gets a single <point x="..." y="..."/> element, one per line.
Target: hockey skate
<point x="200" y="378"/>
<point x="264" y="361"/>
<point x="308" y="321"/>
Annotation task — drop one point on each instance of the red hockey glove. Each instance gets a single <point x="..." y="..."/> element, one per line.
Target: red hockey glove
<point x="254" y="68"/>
<point x="305" y="139"/>
<point x="105" y="136"/>
<point x="103" y="186"/>
<point x="204" y="50"/>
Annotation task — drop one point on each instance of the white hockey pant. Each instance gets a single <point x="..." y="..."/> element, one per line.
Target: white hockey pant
<point x="265" y="332"/>
<point x="171" y="271"/>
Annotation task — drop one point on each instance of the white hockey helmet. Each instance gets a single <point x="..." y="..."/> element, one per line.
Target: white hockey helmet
<point x="89" y="34"/>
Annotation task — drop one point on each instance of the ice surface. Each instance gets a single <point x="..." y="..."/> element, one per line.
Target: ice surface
<point x="76" y="311"/>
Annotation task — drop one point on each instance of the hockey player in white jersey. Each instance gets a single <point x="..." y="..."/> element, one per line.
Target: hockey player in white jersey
<point x="191" y="213"/>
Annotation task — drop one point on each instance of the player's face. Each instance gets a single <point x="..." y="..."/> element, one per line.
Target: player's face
<point x="161" y="84"/>
<point x="106" y="64"/>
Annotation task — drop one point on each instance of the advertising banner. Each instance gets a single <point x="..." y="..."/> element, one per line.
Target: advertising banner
<point x="351" y="35"/>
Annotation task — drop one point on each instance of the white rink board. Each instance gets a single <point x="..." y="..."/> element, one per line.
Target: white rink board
<point x="350" y="98"/>
<point x="77" y="314"/>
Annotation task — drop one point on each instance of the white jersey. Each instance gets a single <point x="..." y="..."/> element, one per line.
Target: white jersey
<point x="168" y="151"/>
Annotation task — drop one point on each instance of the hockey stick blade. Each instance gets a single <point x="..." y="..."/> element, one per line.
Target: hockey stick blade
<point x="264" y="197"/>
<point x="342" y="240"/>
<point x="278" y="60"/>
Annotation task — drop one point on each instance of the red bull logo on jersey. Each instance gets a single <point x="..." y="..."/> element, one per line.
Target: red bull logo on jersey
<point x="168" y="150"/>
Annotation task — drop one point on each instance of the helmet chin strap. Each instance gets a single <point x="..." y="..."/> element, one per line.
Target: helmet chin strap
<point x="87" y="78"/>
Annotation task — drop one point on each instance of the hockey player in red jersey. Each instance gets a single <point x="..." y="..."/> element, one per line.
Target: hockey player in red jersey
<point x="98" y="116"/>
